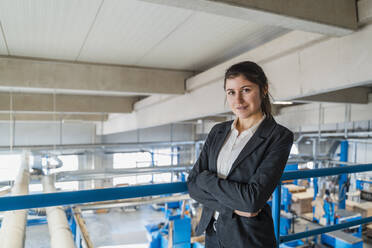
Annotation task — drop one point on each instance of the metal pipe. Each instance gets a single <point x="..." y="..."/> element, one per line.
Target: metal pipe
<point x="107" y="173"/>
<point x="5" y="190"/>
<point x="134" y="202"/>
<point x="60" y="233"/>
<point x="325" y="135"/>
<point x="99" y="145"/>
<point x="13" y="226"/>
<point x="355" y="141"/>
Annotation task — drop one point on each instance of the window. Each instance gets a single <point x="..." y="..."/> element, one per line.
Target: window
<point x="9" y="166"/>
<point x="161" y="157"/>
<point x="132" y="160"/>
<point x="165" y="156"/>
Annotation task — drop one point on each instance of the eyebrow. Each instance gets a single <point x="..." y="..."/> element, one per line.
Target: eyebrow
<point x="244" y="86"/>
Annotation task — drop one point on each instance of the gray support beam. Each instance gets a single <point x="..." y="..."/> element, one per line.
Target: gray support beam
<point x="70" y="77"/>
<point x="348" y="95"/>
<point x="51" y="117"/>
<point x="65" y="103"/>
<point x="365" y="11"/>
<point x="332" y="17"/>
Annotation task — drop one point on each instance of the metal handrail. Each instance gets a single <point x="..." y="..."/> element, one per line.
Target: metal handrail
<point x="325" y="172"/>
<point x="300" y="235"/>
<point x="84" y="196"/>
<point x="309" y="174"/>
<point x="97" y="195"/>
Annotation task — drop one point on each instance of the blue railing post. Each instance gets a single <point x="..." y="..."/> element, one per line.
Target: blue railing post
<point x="343" y="177"/>
<point x="276" y="212"/>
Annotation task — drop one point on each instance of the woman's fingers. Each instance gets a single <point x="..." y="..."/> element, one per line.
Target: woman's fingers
<point x="247" y="214"/>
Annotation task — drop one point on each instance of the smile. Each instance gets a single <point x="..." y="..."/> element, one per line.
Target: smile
<point x="241" y="108"/>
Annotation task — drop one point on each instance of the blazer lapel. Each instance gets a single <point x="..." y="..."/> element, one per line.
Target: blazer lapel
<point x="258" y="137"/>
<point x="220" y="140"/>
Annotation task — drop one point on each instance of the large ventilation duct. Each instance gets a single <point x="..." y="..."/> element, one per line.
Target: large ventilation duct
<point x="60" y="232"/>
<point x="13" y="227"/>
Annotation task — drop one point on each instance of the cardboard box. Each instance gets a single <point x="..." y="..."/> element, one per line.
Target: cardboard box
<point x="350" y="205"/>
<point x="301" y="202"/>
<point x="365" y="209"/>
<point x="369" y="230"/>
<point x="292" y="188"/>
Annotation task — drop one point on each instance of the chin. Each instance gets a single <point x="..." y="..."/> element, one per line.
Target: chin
<point x="245" y="115"/>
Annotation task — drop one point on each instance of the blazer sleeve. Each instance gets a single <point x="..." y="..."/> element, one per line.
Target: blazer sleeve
<point x="251" y="196"/>
<point x="201" y="165"/>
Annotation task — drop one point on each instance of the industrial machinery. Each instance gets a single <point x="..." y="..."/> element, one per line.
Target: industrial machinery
<point x="175" y="232"/>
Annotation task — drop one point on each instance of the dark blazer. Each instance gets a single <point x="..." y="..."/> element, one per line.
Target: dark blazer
<point x="248" y="186"/>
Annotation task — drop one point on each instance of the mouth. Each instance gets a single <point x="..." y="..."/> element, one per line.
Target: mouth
<point x="242" y="108"/>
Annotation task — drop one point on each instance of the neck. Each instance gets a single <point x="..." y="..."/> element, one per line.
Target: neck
<point x="244" y="124"/>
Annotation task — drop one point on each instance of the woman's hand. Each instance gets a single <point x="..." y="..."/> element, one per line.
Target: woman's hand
<point x="247" y="214"/>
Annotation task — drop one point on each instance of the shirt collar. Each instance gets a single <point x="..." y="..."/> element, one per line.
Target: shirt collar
<point x="250" y="130"/>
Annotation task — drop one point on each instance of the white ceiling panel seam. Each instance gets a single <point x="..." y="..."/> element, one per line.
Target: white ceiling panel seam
<point x="138" y="62"/>
<point x="3" y="42"/>
<point x="89" y="30"/>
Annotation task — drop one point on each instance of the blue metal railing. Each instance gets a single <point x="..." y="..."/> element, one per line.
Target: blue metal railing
<point x="96" y="195"/>
<point x="85" y="196"/>
<point x="309" y="174"/>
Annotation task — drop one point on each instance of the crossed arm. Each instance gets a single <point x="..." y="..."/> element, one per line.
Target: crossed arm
<point x="244" y="199"/>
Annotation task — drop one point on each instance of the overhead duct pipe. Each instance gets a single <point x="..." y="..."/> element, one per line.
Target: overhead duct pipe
<point x="13" y="226"/>
<point x="60" y="232"/>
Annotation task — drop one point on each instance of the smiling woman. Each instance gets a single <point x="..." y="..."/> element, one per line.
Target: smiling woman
<point x="240" y="165"/>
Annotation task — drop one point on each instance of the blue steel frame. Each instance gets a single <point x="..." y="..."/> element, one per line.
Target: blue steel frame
<point x="84" y="196"/>
<point x="308" y="174"/>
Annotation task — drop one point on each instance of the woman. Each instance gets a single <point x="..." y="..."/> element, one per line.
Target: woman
<point x="240" y="165"/>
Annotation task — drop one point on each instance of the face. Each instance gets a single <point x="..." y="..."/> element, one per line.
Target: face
<point x="243" y="97"/>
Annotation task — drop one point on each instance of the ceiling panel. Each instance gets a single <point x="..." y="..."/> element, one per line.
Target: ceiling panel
<point x="127" y="30"/>
<point x="47" y="28"/>
<point x="204" y="40"/>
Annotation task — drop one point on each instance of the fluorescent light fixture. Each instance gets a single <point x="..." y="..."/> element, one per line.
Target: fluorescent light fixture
<point x="282" y="102"/>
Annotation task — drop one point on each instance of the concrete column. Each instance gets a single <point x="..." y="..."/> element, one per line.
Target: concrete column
<point x="13" y="226"/>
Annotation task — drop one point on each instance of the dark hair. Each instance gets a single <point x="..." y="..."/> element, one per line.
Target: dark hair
<point x="253" y="73"/>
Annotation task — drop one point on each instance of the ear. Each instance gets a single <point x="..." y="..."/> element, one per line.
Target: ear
<point x="265" y="90"/>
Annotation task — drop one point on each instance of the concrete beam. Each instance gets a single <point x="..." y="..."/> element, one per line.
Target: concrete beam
<point x="80" y="78"/>
<point x="297" y="64"/>
<point x="65" y="103"/>
<point x="349" y="95"/>
<point x="364" y="11"/>
<point x="331" y="17"/>
<point x="51" y="117"/>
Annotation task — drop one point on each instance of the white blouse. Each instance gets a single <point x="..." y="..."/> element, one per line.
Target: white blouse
<point x="233" y="145"/>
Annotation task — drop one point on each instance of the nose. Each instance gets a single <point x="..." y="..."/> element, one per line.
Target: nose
<point x="239" y="97"/>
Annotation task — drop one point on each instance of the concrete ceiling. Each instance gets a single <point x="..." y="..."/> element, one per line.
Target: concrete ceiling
<point x="129" y="32"/>
<point x="135" y="48"/>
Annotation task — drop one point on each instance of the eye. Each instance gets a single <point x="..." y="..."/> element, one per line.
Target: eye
<point x="246" y="90"/>
<point x="231" y="92"/>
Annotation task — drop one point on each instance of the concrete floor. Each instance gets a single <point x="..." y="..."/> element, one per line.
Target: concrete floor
<point x="37" y="236"/>
<point x="121" y="228"/>
<point x="111" y="230"/>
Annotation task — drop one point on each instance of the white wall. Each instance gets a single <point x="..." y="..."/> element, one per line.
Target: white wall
<point x="44" y="133"/>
